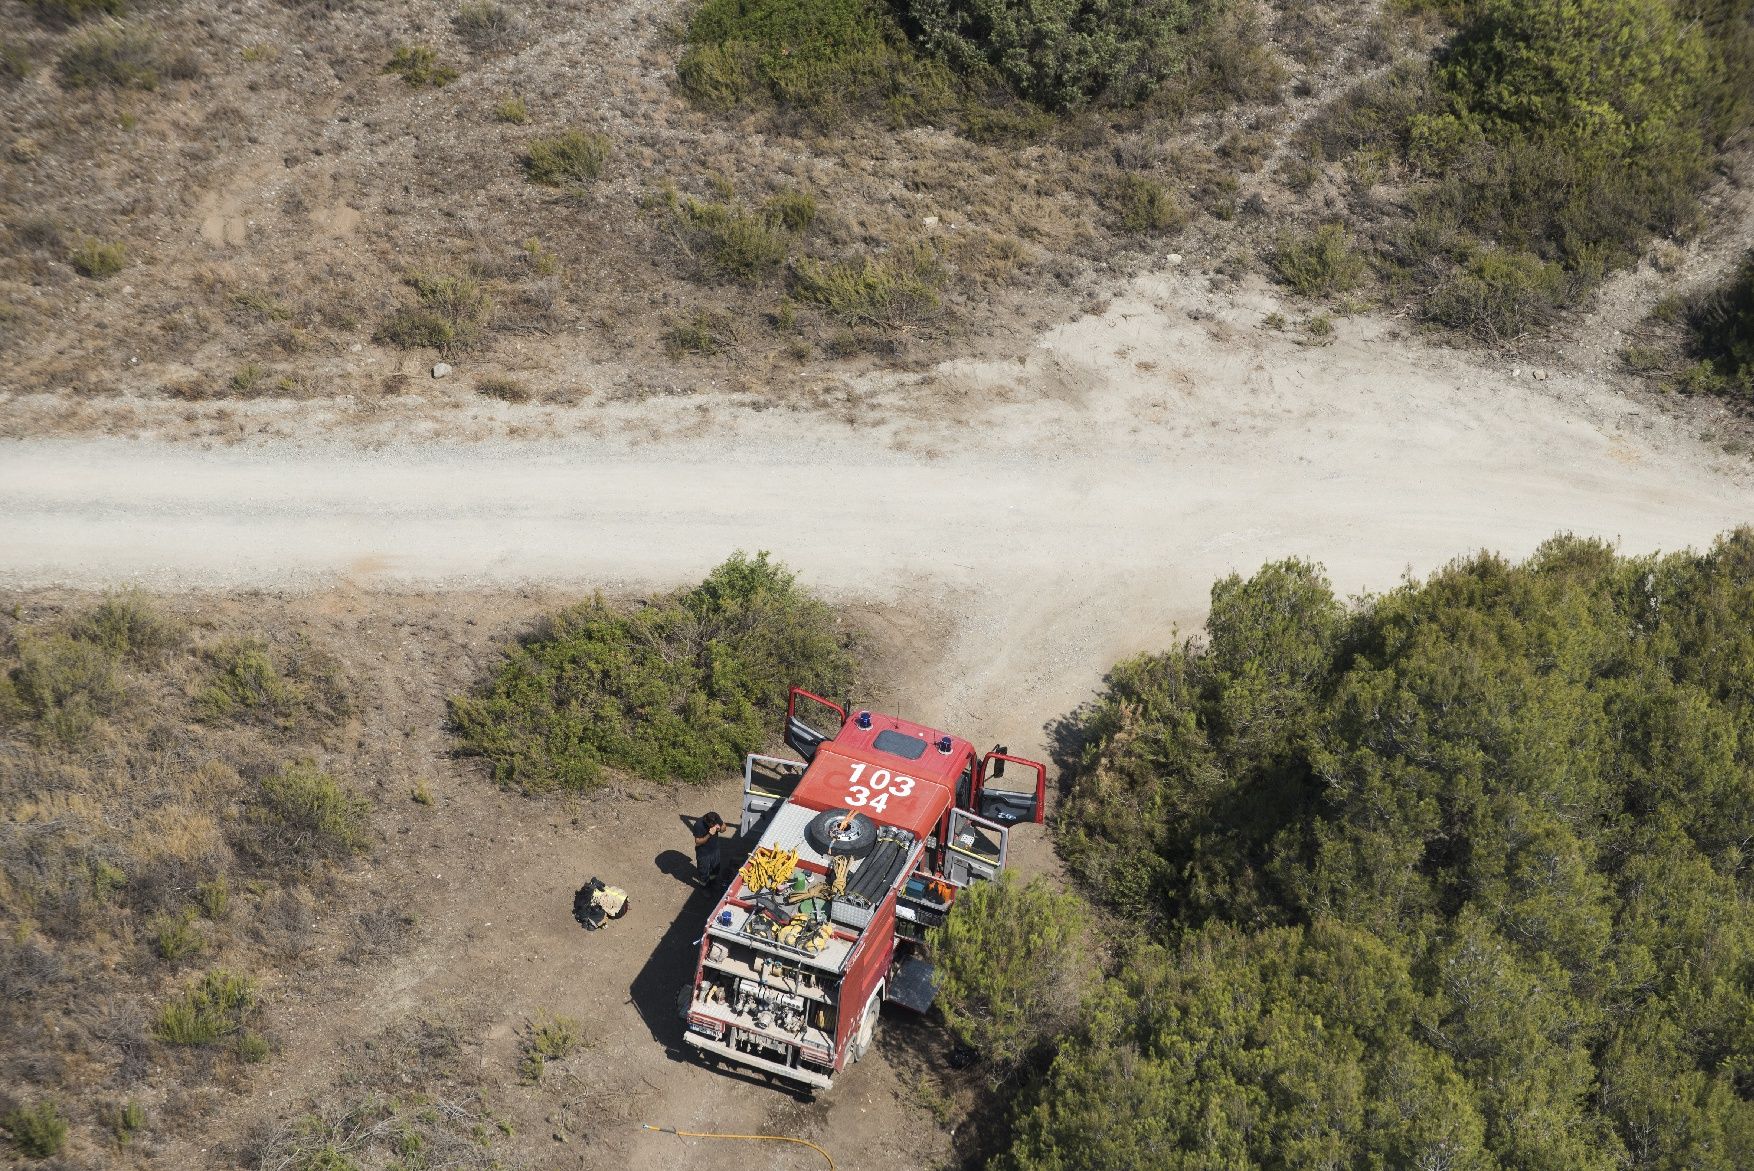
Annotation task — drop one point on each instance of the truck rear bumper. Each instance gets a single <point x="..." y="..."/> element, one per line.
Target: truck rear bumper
<point x="820" y="1081"/>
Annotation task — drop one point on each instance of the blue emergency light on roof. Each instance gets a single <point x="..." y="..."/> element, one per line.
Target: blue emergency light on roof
<point x="944" y="745"/>
<point x="864" y="719"/>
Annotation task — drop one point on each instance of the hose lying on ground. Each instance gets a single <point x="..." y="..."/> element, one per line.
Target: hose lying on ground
<point x="766" y="1138"/>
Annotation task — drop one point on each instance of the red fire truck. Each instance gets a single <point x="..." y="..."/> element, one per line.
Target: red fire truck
<point x="888" y="820"/>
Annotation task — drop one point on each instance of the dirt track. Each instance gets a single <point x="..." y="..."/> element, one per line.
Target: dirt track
<point x="1019" y="525"/>
<point x="1065" y="507"/>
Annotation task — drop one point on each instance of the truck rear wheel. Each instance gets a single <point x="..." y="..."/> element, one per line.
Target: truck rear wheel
<point x="828" y="836"/>
<point x="867" y="1030"/>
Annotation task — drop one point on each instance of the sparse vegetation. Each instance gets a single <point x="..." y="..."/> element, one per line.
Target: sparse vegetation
<point x="546" y="1039"/>
<point x="419" y="65"/>
<point x="570" y="159"/>
<point x="821" y="58"/>
<point x="216" y="1007"/>
<point x="503" y="388"/>
<point x="702" y="333"/>
<point x="1146" y="206"/>
<point x="60" y="689"/>
<point x="121" y="57"/>
<point x="512" y="110"/>
<point x="176" y="937"/>
<point x="252" y="682"/>
<point x="453" y="315"/>
<point x="15" y="63"/>
<point x="1499" y="295"/>
<point x="678" y="689"/>
<point x="893" y="291"/>
<point x="97" y="259"/>
<point x="728" y="241"/>
<point x="126" y="1121"/>
<point x="138" y="832"/>
<point x="38" y="1131"/>
<point x="301" y="812"/>
<point x="74" y="11"/>
<point x="487" y="27"/>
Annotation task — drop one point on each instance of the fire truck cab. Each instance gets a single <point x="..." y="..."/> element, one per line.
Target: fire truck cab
<point x="889" y="820"/>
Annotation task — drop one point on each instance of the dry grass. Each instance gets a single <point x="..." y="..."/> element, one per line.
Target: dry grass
<point x="284" y="242"/>
<point x="156" y="808"/>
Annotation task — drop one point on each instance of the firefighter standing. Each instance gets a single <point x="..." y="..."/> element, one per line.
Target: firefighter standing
<point x="708" y="853"/>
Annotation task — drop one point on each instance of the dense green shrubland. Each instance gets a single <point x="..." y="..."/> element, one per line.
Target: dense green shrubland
<point x="1455" y="877"/>
<point x="677" y="689"/>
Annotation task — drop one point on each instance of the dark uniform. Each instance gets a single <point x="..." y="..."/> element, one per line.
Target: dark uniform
<point x="708" y="853"/>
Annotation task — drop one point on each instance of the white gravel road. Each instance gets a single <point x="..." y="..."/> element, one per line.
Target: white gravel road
<point x="1068" y="506"/>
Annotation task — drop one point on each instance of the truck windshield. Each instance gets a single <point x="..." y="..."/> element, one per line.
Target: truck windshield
<point x="899" y="744"/>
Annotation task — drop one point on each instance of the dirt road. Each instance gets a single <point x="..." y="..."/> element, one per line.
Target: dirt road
<point x="1066" y="506"/>
<point x="1018" y="525"/>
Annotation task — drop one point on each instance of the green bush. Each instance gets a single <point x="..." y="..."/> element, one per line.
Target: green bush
<point x="1721" y="329"/>
<point x="302" y="812"/>
<point x="97" y="260"/>
<point x="1147" y="206"/>
<point x="822" y="57"/>
<point x="175" y="937"/>
<point x="418" y="65"/>
<point x="251" y="683"/>
<point x="1499" y="295"/>
<point x="794" y="211"/>
<point x="550" y="1038"/>
<point x="1543" y="134"/>
<point x="677" y="689"/>
<point x="1013" y="963"/>
<point x="1061" y="54"/>
<point x="1318" y="263"/>
<point x="214" y="1008"/>
<point x="570" y="159"/>
<point x="62" y="685"/>
<point x="130" y="626"/>
<point x="1573" y="131"/>
<point x="487" y="27"/>
<point x="730" y="242"/>
<point x="891" y="291"/>
<point x="39" y="1131"/>
<point x="453" y="314"/>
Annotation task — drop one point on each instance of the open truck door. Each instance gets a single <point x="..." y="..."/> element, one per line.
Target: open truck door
<point x="810" y="720"/>
<point x="974" y="848"/>
<point x="1022" y="796"/>
<point x="767" y="782"/>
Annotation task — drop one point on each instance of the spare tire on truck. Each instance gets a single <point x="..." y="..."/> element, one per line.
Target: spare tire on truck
<point x="833" y="833"/>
